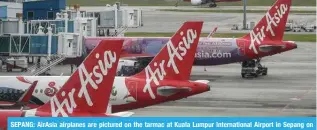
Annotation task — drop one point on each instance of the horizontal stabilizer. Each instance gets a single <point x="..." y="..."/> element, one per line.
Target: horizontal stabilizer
<point x="268" y="48"/>
<point x="203" y="81"/>
<point x="170" y="90"/>
<point x="123" y="114"/>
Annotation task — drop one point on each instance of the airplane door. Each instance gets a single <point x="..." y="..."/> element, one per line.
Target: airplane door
<point x="132" y="94"/>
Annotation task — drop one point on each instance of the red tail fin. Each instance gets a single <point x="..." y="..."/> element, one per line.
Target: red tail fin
<point x="88" y="89"/>
<point x="272" y="25"/>
<point x="176" y="58"/>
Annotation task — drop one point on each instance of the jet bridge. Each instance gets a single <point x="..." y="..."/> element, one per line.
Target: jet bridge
<point x="51" y="41"/>
<point x="62" y="36"/>
<point x="115" y="20"/>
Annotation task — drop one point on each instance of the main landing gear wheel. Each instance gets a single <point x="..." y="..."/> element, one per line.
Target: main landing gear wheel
<point x="253" y="68"/>
<point x="262" y="69"/>
<point x="211" y="5"/>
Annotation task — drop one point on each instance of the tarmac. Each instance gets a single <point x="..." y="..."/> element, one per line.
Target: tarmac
<point x="289" y="89"/>
<point x="167" y="21"/>
<point x="155" y="20"/>
<point x="156" y="8"/>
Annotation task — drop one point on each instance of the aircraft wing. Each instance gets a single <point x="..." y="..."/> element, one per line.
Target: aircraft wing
<point x="24" y="99"/>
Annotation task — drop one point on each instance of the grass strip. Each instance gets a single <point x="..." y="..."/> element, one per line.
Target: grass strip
<point x="235" y="11"/>
<point x="287" y="37"/>
<point x="172" y="3"/>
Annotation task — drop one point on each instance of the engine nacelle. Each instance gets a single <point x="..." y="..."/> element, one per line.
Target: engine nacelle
<point x="196" y="2"/>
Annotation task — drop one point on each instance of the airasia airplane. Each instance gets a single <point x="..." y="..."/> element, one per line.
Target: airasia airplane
<point x="265" y="39"/>
<point x="166" y="78"/>
<point x="85" y="93"/>
<point x="212" y="3"/>
<point x="23" y="101"/>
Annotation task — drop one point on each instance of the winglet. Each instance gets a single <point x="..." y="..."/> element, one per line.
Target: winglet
<point x="212" y="32"/>
<point x="25" y="98"/>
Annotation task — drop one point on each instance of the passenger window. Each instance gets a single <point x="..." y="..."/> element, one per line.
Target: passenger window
<point x="36" y="90"/>
<point x="41" y="91"/>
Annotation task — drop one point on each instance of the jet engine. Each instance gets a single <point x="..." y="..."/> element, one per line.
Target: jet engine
<point x="201" y="2"/>
<point x="196" y="2"/>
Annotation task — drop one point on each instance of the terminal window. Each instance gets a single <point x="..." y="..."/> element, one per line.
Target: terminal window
<point x="30" y="15"/>
<point x="50" y="15"/>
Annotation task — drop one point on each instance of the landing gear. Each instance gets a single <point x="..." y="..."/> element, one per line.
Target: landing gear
<point x="176" y="4"/>
<point x="212" y="4"/>
<point x="261" y="69"/>
<point x="253" y="68"/>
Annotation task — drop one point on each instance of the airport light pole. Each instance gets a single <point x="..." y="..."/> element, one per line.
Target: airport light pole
<point x="244" y="14"/>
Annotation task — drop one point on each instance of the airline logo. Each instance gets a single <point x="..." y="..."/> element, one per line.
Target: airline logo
<point x="52" y="90"/>
<point x="86" y="79"/>
<point x="271" y="21"/>
<point x="179" y="52"/>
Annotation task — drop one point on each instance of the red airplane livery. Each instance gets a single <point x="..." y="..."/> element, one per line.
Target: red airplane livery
<point x="166" y="78"/>
<point x="265" y="39"/>
<point x="85" y="93"/>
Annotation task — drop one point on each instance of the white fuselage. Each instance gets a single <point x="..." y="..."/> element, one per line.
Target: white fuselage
<point x="47" y="82"/>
